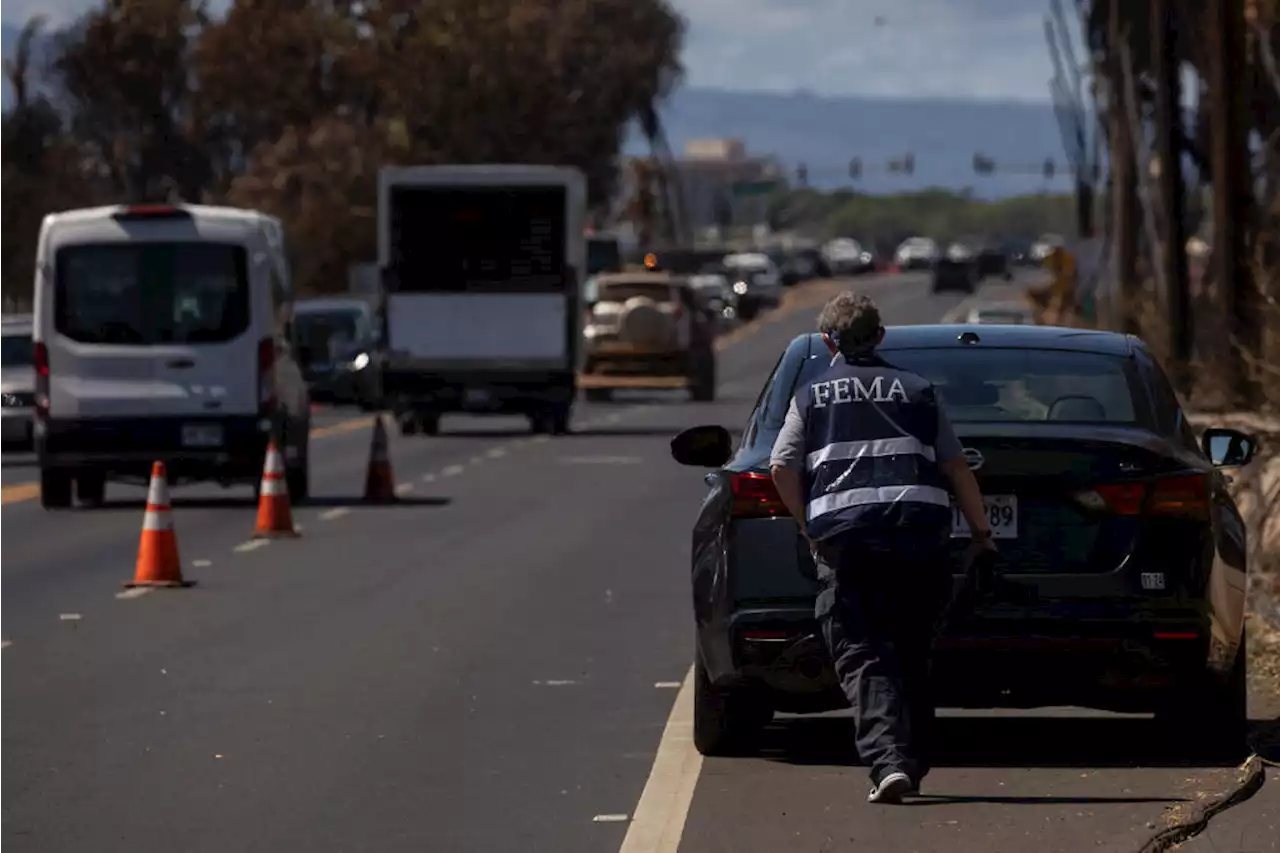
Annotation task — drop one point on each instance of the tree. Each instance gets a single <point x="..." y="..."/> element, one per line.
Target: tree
<point x="122" y="76"/>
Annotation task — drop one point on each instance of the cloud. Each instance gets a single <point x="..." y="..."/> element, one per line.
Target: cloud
<point x="991" y="49"/>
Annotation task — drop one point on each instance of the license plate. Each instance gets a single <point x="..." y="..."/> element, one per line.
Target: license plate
<point x="477" y="396"/>
<point x="201" y="435"/>
<point x="1002" y="515"/>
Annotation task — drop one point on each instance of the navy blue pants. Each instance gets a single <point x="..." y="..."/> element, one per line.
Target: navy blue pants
<point x="878" y="612"/>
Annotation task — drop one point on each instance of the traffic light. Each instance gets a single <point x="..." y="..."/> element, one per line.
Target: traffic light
<point x="1048" y="169"/>
<point x="802" y="175"/>
<point x="909" y="164"/>
<point x="855" y="168"/>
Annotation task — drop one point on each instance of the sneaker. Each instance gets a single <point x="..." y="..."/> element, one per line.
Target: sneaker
<point x="892" y="788"/>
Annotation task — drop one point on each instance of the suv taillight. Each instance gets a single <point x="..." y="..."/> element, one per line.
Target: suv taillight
<point x="754" y="496"/>
<point x="40" y="360"/>
<point x="266" y="375"/>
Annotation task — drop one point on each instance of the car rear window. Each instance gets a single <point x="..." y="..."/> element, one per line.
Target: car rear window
<point x="151" y="293"/>
<point x="603" y="255"/>
<point x="17" y="351"/>
<point x="1027" y="385"/>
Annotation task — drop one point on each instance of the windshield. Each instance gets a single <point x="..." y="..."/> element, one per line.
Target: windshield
<point x="1026" y="385"/>
<point x="151" y="293"/>
<point x="17" y="351"/>
<point x="321" y="333"/>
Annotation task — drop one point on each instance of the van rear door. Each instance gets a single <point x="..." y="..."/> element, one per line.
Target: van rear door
<point x="149" y="328"/>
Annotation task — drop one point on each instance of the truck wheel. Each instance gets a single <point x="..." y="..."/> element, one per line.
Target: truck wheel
<point x="91" y="489"/>
<point x="429" y="423"/>
<point x="55" y="488"/>
<point x="537" y="423"/>
<point x="599" y="395"/>
<point x="559" y="417"/>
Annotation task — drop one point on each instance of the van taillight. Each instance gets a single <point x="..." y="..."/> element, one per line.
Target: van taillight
<point x="754" y="496"/>
<point x="40" y="359"/>
<point x="266" y="378"/>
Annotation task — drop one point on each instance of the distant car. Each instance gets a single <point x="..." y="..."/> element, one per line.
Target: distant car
<point x="993" y="262"/>
<point x="1004" y="313"/>
<point x="339" y="351"/>
<point x="713" y="290"/>
<point x="1120" y="578"/>
<point x="647" y="331"/>
<point x="957" y="271"/>
<point x="18" y="381"/>
<point x="916" y="253"/>
<point x="756" y="282"/>
<point x="847" y="257"/>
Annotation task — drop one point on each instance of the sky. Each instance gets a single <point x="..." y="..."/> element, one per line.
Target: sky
<point x="988" y="49"/>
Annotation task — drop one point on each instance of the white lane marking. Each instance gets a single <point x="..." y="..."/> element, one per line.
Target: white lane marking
<point x="427" y="478"/>
<point x="336" y="512"/>
<point x="476" y="460"/>
<point x="610" y="818"/>
<point x="251" y="545"/>
<point x="540" y="439"/>
<point x="659" y="818"/>
<point x="497" y="453"/>
<point x="452" y="471"/>
<point x="561" y="682"/>
<point x="601" y="460"/>
<point x="69" y="617"/>
<point x="6" y="644"/>
<point x="667" y="685"/>
<point x="200" y="564"/>
<point x="404" y="488"/>
<point x="136" y="592"/>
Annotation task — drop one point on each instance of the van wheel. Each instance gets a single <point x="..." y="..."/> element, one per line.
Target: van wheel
<point x="55" y="488"/>
<point x="558" y="419"/>
<point x="429" y="423"/>
<point x="408" y="424"/>
<point x="91" y="489"/>
<point x="726" y="721"/>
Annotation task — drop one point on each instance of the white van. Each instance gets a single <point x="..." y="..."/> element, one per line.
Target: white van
<point x="163" y="332"/>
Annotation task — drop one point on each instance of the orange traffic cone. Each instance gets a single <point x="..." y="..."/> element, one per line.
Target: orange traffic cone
<point x="158" y="563"/>
<point x="379" y="482"/>
<point x="275" y="518"/>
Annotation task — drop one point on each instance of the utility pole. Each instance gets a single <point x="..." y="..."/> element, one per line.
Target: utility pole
<point x="1168" y="145"/>
<point x="1231" y="190"/>
<point x="1124" y="186"/>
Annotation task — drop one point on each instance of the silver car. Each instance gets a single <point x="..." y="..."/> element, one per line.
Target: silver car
<point x="18" y="381"/>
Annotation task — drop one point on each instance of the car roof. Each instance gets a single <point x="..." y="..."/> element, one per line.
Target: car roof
<point x="942" y="336"/>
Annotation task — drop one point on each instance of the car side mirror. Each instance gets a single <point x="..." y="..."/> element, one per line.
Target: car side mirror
<point x="1228" y="448"/>
<point x="702" y="447"/>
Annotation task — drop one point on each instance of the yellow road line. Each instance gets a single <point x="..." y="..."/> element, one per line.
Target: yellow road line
<point x="19" y="492"/>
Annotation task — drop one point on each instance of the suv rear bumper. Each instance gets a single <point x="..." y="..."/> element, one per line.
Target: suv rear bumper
<point x="127" y="447"/>
<point x="1119" y="663"/>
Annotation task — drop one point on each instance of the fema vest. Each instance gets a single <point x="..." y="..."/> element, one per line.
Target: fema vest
<point x="870" y="431"/>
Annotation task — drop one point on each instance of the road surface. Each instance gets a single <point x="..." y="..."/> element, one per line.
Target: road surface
<point x="495" y="664"/>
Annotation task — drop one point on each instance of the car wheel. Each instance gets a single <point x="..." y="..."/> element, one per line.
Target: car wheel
<point x="725" y="721"/>
<point x="1212" y="715"/>
<point x="55" y="488"/>
<point x="91" y="489"/>
<point x="599" y="395"/>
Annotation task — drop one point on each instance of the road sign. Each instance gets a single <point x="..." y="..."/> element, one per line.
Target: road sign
<point x="741" y="188"/>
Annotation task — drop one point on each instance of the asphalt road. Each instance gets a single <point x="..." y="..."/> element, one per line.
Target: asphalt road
<point x="490" y="665"/>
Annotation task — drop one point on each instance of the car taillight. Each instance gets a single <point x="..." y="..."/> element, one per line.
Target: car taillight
<point x="1184" y="495"/>
<point x="266" y="378"/>
<point x="754" y="496"/>
<point x="40" y="360"/>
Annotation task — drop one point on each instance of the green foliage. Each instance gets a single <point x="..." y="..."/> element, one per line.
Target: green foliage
<point x="938" y="213"/>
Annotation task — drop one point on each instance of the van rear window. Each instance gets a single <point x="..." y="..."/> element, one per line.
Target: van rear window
<point x="151" y="293"/>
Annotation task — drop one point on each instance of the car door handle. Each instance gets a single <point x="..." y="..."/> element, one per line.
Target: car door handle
<point x="181" y="363"/>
